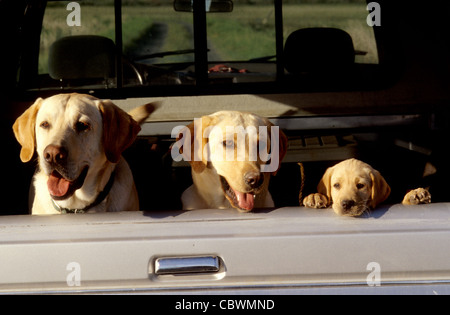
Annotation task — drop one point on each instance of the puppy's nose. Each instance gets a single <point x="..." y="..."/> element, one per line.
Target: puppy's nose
<point x="347" y="204"/>
<point x="253" y="179"/>
<point x="54" y="154"/>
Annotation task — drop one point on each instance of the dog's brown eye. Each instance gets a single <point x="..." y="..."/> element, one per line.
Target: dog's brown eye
<point x="360" y="186"/>
<point x="45" y="125"/>
<point x="337" y="186"/>
<point x="228" y="144"/>
<point x="81" y="126"/>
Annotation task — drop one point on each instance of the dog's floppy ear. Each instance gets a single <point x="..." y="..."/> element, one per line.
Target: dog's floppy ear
<point x="119" y="130"/>
<point x="324" y="186"/>
<point x="194" y="138"/>
<point x="24" y="130"/>
<point x="380" y="188"/>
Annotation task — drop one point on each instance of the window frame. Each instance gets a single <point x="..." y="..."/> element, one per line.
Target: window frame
<point x="379" y="75"/>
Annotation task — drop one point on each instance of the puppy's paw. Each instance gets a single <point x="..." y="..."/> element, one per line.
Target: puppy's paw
<point x="316" y="201"/>
<point x="417" y="196"/>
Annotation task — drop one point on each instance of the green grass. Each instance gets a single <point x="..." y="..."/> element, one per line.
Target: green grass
<point x="248" y="32"/>
<point x="136" y="20"/>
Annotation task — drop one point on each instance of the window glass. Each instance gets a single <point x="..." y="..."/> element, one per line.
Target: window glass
<point x="68" y="18"/>
<point x="237" y="39"/>
<point x="348" y="15"/>
<point x="244" y="34"/>
<point x="158" y="41"/>
<point x="157" y="30"/>
<point x="249" y="34"/>
<point x="153" y="34"/>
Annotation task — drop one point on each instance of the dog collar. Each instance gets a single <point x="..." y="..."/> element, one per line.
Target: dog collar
<point x="101" y="196"/>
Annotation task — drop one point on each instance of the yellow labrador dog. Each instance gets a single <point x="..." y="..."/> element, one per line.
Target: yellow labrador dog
<point x="353" y="187"/>
<point x="232" y="155"/>
<point x="79" y="140"/>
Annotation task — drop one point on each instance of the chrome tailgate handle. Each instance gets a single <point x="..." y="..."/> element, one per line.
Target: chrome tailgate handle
<point x="180" y="265"/>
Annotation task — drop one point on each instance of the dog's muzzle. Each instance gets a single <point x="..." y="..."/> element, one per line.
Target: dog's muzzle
<point x="60" y="185"/>
<point x="243" y="201"/>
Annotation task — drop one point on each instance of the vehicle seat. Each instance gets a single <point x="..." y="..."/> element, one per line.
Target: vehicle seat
<point x="82" y="57"/>
<point x="318" y="50"/>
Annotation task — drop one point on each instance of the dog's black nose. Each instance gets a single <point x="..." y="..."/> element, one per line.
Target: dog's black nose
<point x="54" y="154"/>
<point x="253" y="179"/>
<point x="347" y="204"/>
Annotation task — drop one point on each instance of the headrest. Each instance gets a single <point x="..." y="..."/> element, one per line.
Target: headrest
<point x="82" y="57"/>
<point x="314" y="50"/>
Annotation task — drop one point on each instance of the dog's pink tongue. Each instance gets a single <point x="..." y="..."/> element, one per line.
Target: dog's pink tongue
<point x="57" y="185"/>
<point x="245" y="201"/>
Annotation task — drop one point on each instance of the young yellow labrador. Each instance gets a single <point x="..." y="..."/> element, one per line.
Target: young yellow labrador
<point x="79" y="140"/>
<point x="353" y="187"/>
<point x="232" y="155"/>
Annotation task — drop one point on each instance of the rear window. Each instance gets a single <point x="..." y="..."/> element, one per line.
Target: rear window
<point x="154" y="43"/>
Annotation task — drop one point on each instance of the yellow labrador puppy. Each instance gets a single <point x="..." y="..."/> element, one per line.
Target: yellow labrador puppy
<point x="353" y="187"/>
<point x="232" y="155"/>
<point x="79" y="140"/>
